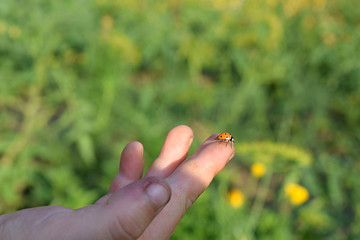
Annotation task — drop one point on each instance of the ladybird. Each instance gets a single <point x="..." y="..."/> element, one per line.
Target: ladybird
<point x="225" y="137"/>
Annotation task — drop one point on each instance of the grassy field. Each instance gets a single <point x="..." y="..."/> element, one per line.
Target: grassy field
<point x="80" y="79"/>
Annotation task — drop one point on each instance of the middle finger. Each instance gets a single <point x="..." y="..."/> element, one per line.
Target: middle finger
<point x="173" y="152"/>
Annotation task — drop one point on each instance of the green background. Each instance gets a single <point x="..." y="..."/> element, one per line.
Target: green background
<point x="80" y="79"/>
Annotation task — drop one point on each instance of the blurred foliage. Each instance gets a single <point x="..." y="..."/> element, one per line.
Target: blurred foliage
<point x="80" y="79"/>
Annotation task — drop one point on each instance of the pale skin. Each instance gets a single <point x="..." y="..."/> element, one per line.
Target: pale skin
<point x="136" y="207"/>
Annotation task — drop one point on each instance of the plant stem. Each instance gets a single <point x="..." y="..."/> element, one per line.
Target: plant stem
<point x="258" y="205"/>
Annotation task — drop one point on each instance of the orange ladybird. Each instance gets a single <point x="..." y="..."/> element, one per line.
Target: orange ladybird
<point x="225" y="137"/>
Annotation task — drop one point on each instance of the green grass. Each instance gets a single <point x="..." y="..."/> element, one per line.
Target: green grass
<point x="80" y="79"/>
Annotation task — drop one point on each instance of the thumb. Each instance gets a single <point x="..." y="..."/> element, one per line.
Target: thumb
<point x="135" y="206"/>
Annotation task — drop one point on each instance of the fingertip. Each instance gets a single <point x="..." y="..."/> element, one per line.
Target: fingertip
<point x="183" y="130"/>
<point x="212" y="156"/>
<point x="173" y="152"/>
<point x="134" y="146"/>
<point x="138" y="145"/>
<point x="138" y="148"/>
<point x="223" y="149"/>
<point x="218" y="147"/>
<point x="131" y="161"/>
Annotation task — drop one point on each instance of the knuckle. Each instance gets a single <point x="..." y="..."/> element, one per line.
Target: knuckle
<point x="130" y="226"/>
<point x="124" y="228"/>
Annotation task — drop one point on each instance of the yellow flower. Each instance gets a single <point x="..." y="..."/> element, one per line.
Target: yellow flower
<point x="292" y="7"/>
<point x="14" y="32"/>
<point x="276" y="31"/>
<point x="258" y="170"/>
<point x="107" y="22"/>
<point x="319" y="4"/>
<point x="127" y="48"/>
<point x="2" y="27"/>
<point x="236" y="198"/>
<point x="272" y="3"/>
<point x="226" y="4"/>
<point x="329" y="39"/>
<point x="309" y="22"/>
<point x="296" y="193"/>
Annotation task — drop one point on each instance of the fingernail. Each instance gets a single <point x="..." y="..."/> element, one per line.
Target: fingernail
<point x="158" y="194"/>
<point x="190" y="140"/>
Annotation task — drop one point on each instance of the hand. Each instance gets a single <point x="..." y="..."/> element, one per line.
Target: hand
<point x="135" y="207"/>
